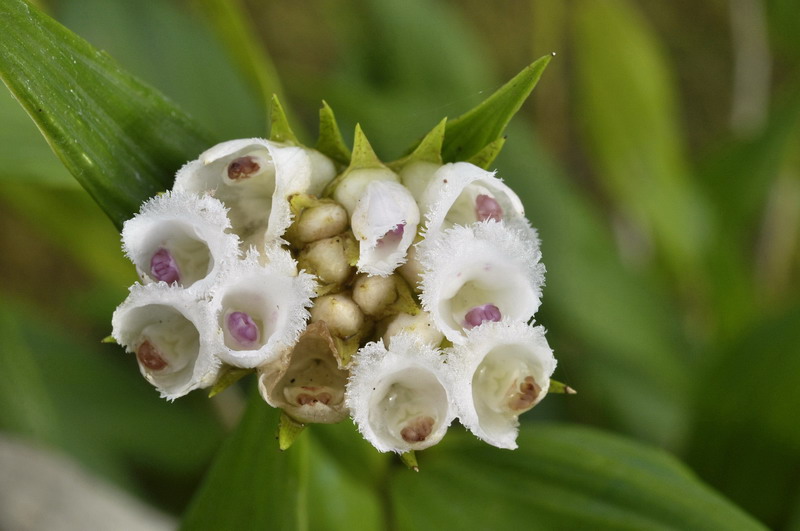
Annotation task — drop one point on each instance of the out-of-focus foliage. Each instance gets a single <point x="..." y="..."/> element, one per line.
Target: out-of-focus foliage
<point x="664" y="181"/>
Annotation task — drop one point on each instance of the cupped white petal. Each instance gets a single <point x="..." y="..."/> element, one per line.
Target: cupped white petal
<point x="486" y="263"/>
<point x="241" y="174"/>
<point x="399" y="398"/>
<point x="384" y="222"/>
<point x="308" y="381"/>
<point x="168" y="331"/>
<point x="259" y="310"/>
<point x="461" y="193"/>
<point x="180" y="238"/>
<point x="502" y="371"/>
<point x="355" y="183"/>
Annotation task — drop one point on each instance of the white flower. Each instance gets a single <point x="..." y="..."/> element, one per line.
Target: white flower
<point x="168" y="331"/>
<point x="260" y="309"/>
<point x="461" y="193"/>
<point x="502" y="371"/>
<point x="180" y="238"/>
<point x="355" y="183"/>
<point x="255" y="178"/>
<point x="384" y="222"/>
<point x="484" y="272"/>
<point x="398" y="397"/>
<point x="308" y="382"/>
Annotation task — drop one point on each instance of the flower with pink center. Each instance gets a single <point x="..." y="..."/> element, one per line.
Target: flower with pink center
<point x="163" y="267"/>
<point x="487" y="207"/>
<point x="479" y="314"/>
<point x="384" y="221"/>
<point x="243" y="329"/>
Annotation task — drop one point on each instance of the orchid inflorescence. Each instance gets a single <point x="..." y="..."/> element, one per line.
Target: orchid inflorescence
<point x="397" y="294"/>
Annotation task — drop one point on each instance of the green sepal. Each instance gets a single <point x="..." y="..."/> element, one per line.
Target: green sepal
<point x="428" y="150"/>
<point x="288" y="431"/>
<point x="330" y="142"/>
<point x="351" y="251"/>
<point x="280" y="131"/>
<point x="364" y="156"/>
<point x="227" y="377"/>
<point x="347" y="348"/>
<point x="485" y="157"/>
<point x="468" y="134"/>
<point x="410" y="460"/>
<point x="109" y="339"/>
<point x="405" y="301"/>
<point x="561" y="388"/>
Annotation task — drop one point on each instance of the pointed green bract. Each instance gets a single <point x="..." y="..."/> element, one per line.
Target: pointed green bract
<point x="330" y="141"/>
<point x="410" y="460"/>
<point x="121" y="139"/>
<point x="485" y="157"/>
<point x="364" y="156"/>
<point x="468" y="134"/>
<point x="109" y="339"/>
<point x="227" y="378"/>
<point x="288" y="431"/>
<point x="428" y="150"/>
<point x="561" y="388"/>
<point x="280" y="131"/>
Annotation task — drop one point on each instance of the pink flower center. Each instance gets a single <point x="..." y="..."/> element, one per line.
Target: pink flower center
<point x="393" y="236"/>
<point x="243" y="329"/>
<point x="242" y="168"/>
<point x="487" y="207"/>
<point x="149" y="356"/>
<point x="479" y="314"/>
<point x="163" y="267"/>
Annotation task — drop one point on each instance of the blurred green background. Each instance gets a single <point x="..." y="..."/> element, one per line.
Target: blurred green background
<point x="659" y="157"/>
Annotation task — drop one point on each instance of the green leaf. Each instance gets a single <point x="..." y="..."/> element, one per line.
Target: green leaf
<point x="429" y="148"/>
<point x="746" y="419"/>
<point x="486" y="156"/>
<point x="121" y="139"/>
<point x="628" y="105"/>
<point x="321" y="482"/>
<point x="468" y="134"/>
<point x="561" y="477"/>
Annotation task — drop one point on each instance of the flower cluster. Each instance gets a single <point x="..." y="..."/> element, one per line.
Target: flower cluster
<point x="397" y="294"/>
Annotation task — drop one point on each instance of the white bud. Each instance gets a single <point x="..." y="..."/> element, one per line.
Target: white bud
<point x="373" y="294"/>
<point x="420" y="325"/>
<point x="486" y="266"/>
<point x="180" y="238"/>
<point x="355" y="183"/>
<point x="308" y="382"/>
<point x="502" y="371"/>
<point x="385" y="223"/>
<point x="260" y="309"/>
<point x="342" y="315"/>
<point x="398" y="397"/>
<point x="328" y="259"/>
<point x="169" y="333"/>
<point x="324" y="220"/>
<point x="461" y="193"/>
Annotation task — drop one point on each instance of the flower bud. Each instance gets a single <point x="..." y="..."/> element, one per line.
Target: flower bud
<point x="180" y="238"/>
<point x="355" y="183"/>
<point x="398" y="397"/>
<point x="374" y="294"/>
<point x="308" y="382"/>
<point x="500" y="372"/>
<point x="167" y="330"/>
<point x="480" y="273"/>
<point x="329" y="259"/>
<point x="342" y="315"/>
<point x="261" y="309"/>
<point x="420" y="325"/>
<point x="323" y="220"/>
<point x="385" y="223"/>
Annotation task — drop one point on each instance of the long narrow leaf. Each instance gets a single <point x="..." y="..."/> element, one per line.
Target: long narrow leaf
<point x="121" y="139"/>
